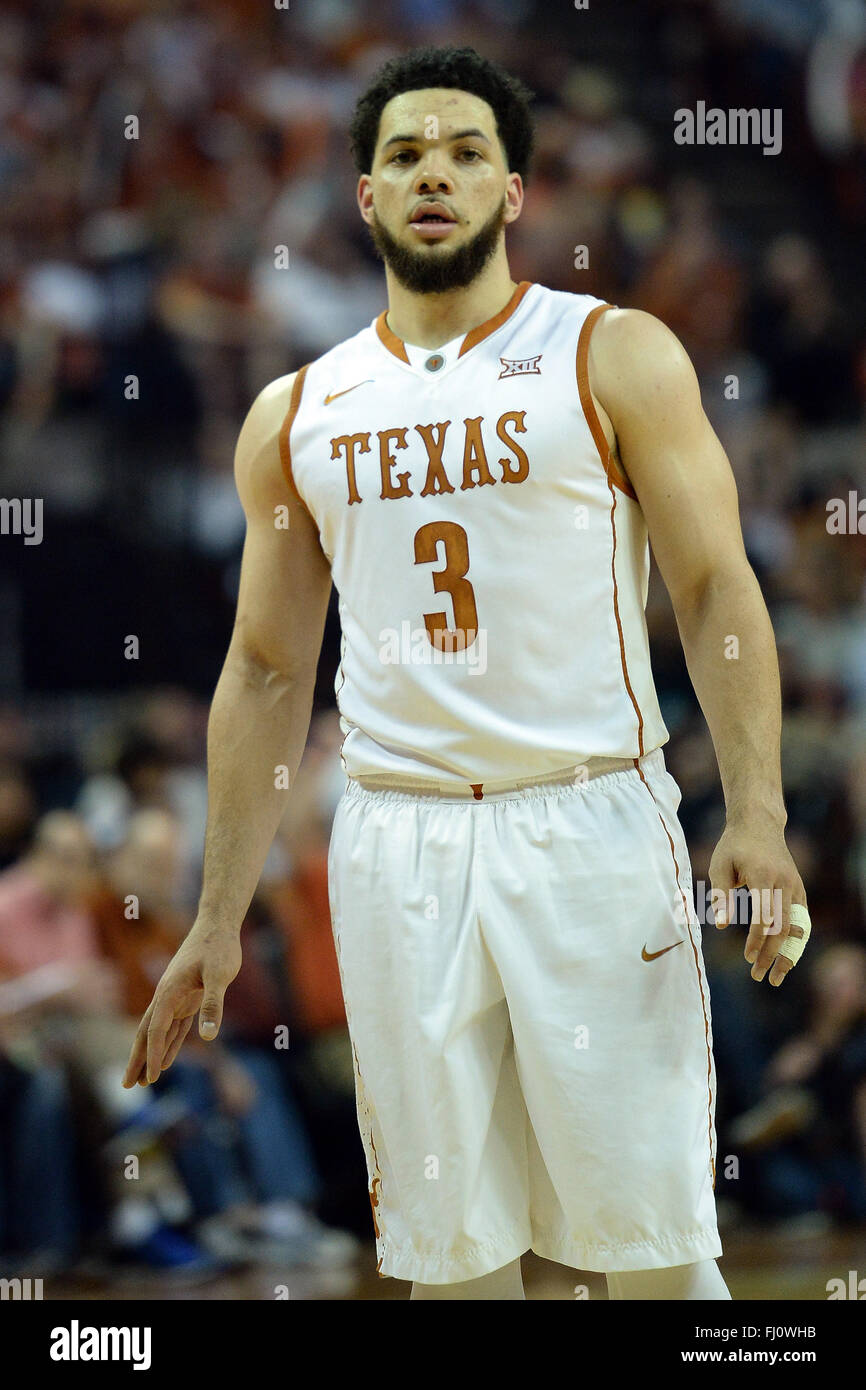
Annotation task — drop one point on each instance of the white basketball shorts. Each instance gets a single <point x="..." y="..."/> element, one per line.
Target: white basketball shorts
<point x="530" y="1023"/>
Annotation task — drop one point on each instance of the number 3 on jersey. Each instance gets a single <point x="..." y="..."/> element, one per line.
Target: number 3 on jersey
<point x="452" y="579"/>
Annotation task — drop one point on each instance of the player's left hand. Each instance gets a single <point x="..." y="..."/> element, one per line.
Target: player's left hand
<point x="752" y="853"/>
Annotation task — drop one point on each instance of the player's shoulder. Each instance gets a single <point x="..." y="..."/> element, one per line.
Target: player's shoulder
<point x="636" y="344"/>
<point x="265" y="416"/>
<point x="636" y="363"/>
<point x="626" y="346"/>
<point x="633" y="326"/>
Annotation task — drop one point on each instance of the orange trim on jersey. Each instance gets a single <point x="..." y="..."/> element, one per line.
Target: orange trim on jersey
<point x="390" y="340"/>
<point x="473" y="337"/>
<point x="477" y="335"/>
<point x="285" y="431"/>
<point x="697" y="968"/>
<point x="589" y="410"/>
<point x="619" y="624"/>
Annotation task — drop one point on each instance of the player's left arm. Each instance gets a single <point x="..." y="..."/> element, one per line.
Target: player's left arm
<point x="642" y="377"/>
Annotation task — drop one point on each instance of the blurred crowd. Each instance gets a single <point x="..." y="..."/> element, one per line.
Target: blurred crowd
<point x="241" y="1147"/>
<point x="154" y="161"/>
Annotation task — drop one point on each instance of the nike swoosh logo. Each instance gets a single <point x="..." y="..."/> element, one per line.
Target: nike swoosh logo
<point x="333" y="397"/>
<point x="654" y="955"/>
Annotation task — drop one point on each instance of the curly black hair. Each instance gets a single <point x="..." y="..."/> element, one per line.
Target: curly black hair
<point x="463" y="68"/>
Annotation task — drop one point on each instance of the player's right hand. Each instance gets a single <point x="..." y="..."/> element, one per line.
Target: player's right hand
<point x="194" y="981"/>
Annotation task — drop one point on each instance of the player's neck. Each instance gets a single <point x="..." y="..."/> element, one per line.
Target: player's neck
<point x="430" y="320"/>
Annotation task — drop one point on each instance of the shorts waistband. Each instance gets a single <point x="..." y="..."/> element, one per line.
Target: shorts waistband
<point x="576" y="775"/>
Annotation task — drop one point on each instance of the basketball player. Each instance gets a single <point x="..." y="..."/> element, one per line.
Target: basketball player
<point x="479" y="471"/>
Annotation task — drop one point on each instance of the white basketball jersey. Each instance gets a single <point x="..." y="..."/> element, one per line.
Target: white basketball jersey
<point x="491" y="561"/>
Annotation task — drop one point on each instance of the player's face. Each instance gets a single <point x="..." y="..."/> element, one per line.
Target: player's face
<point x="439" y="193"/>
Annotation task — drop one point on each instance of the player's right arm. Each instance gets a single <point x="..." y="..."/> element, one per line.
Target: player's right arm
<point x="259" y="720"/>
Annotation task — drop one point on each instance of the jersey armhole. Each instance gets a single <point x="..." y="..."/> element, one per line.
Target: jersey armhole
<point x="615" y="477"/>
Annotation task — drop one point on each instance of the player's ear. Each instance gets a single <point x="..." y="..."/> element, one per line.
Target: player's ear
<point x="365" y="197"/>
<point x="513" y="197"/>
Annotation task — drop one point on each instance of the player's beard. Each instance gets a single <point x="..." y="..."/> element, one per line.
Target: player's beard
<point x="433" y="269"/>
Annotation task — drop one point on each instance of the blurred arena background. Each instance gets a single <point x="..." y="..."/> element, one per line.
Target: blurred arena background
<point x="144" y="301"/>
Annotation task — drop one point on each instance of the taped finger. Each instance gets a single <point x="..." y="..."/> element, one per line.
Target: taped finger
<point x="797" y="939"/>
